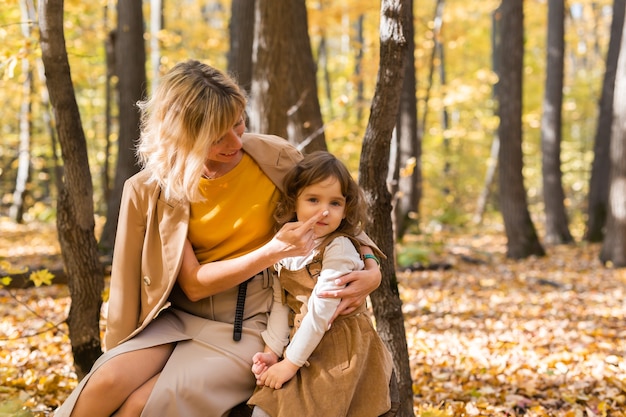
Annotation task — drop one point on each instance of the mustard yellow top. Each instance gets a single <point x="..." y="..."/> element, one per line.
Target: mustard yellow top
<point x="236" y="217"/>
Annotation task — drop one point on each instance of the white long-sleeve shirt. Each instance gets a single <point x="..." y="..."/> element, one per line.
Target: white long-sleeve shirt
<point x="340" y="258"/>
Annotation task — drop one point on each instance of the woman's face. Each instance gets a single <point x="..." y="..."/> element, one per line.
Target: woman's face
<point x="228" y="147"/>
<point x="322" y="196"/>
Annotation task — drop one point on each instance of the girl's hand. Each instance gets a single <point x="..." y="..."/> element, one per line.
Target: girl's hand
<point x="278" y="374"/>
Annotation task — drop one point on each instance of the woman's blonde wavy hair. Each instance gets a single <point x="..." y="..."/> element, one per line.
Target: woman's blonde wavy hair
<point x="191" y="109"/>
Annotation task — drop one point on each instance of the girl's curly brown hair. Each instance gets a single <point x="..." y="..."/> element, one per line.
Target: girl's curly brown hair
<point x="312" y="169"/>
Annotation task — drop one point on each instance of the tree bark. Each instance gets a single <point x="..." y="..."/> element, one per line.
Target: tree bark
<point x="613" y="250"/>
<point x="16" y="212"/>
<point x="557" y="227"/>
<point x="306" y="127"/>
<point x="268" y="101"/>
<point x="522" y="240"/>
<point x="598" y="198"/>
<point x="75" y="213"/>
<point x="241" y="29"/>
<point x="284" y="92"/>
<point x="373" y="169"/>
<point x="407" y="178"/>
<point x="492" y="162"/>
<point x="156" y="25"/>
<point x="130" y="58"/>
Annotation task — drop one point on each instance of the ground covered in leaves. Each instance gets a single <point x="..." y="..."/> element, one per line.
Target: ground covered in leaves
<point x="486" y="336"/>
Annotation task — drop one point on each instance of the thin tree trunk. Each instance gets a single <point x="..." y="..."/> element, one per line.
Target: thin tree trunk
<point x="372" y="174"/>
<point x="557" y="228"/>
<point x="522" y="240"/>
<point x="130" y="57"/>
<point x="156" y="25"/>
<point x="431" y="68"/>
<point x="109" y="99"/>
<point x="407" y="173"/>
<point x="492" y="165"/>
<point x="16" y="211"/>
<point x="613" y="250"/>
<point x="492" y="162"/>
<point x="241" y="29"/>
<point x="600" y="170"/>
<point x="358" y="72"/>
<point x="75" y="213"/>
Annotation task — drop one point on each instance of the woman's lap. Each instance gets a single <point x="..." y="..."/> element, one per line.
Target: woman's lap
<point x="199" y="380"/>
<point x="206" y="368"/>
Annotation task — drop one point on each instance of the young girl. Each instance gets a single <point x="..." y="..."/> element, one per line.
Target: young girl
<point x="339" y="370"/>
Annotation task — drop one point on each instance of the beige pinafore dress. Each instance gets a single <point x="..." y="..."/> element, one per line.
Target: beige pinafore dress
<point x="347" y="375"/>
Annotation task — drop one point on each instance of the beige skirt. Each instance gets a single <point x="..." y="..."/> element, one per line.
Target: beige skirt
<point x="208" y="372"/>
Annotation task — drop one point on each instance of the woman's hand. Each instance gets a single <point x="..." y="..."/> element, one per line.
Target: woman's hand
<point x="295" y="238"/>
<point x="358" y="285"/>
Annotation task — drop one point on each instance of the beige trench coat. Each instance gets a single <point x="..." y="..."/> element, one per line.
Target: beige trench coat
<point x="150" y="237"/>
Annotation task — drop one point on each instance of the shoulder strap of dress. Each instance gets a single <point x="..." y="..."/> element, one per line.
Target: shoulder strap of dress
<point x="322" y="246"/>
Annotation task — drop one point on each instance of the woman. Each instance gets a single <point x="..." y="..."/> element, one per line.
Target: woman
<point x="181" y="334"/>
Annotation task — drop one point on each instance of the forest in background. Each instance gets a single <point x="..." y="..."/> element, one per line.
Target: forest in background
<point x="457" y="116"/>
<point x="457" y="85"/>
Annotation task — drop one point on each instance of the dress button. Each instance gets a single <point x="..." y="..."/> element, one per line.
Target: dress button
<point x="146" y="280"/>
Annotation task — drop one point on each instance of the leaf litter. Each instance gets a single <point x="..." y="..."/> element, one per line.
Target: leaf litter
<point x="486" y="336"/>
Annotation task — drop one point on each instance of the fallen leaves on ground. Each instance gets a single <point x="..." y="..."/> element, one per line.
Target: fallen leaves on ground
<point x="539" y="337"/>
<point x="486" y="337"/>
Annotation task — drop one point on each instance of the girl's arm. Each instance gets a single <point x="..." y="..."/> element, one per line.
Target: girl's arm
<point x="353" y="288"/>
<point x="201" y="281"/>
<point x="340" y="257"/>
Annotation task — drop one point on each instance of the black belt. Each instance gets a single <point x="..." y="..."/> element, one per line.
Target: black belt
<point x="241" y="302"/>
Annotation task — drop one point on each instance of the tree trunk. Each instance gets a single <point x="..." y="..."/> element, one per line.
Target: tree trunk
<point x="322" y="62"/>
<point x="557" y="228"/>
<point x="358" y="72"/>
<point x="407" y="182"/>
<point x="284" y="92"/>
<point x="373" y="169"/>
<point x="16" y="212"/>
<point x="75" y="214"/>
<point x="492" y="162"/>
<point x="241" y="29"/>
<point x="613" y="250"/>
<point x="521" y="236"/>
<point x="156" y="25"/>
<point x="306" y="127"/>
<point x="269" y="95"/>
<point x="131" y="71"/>
<point x="492" y="165"/>
<point x="600" y="170"/>
<point x="109" y="99"/>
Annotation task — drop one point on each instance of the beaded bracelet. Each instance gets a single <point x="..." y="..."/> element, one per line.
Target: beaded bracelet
<point x="370" y="256"/>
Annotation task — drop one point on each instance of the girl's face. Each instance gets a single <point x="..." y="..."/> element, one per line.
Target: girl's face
<point x="319" y="197"/>
<point x="228" y="147"/>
